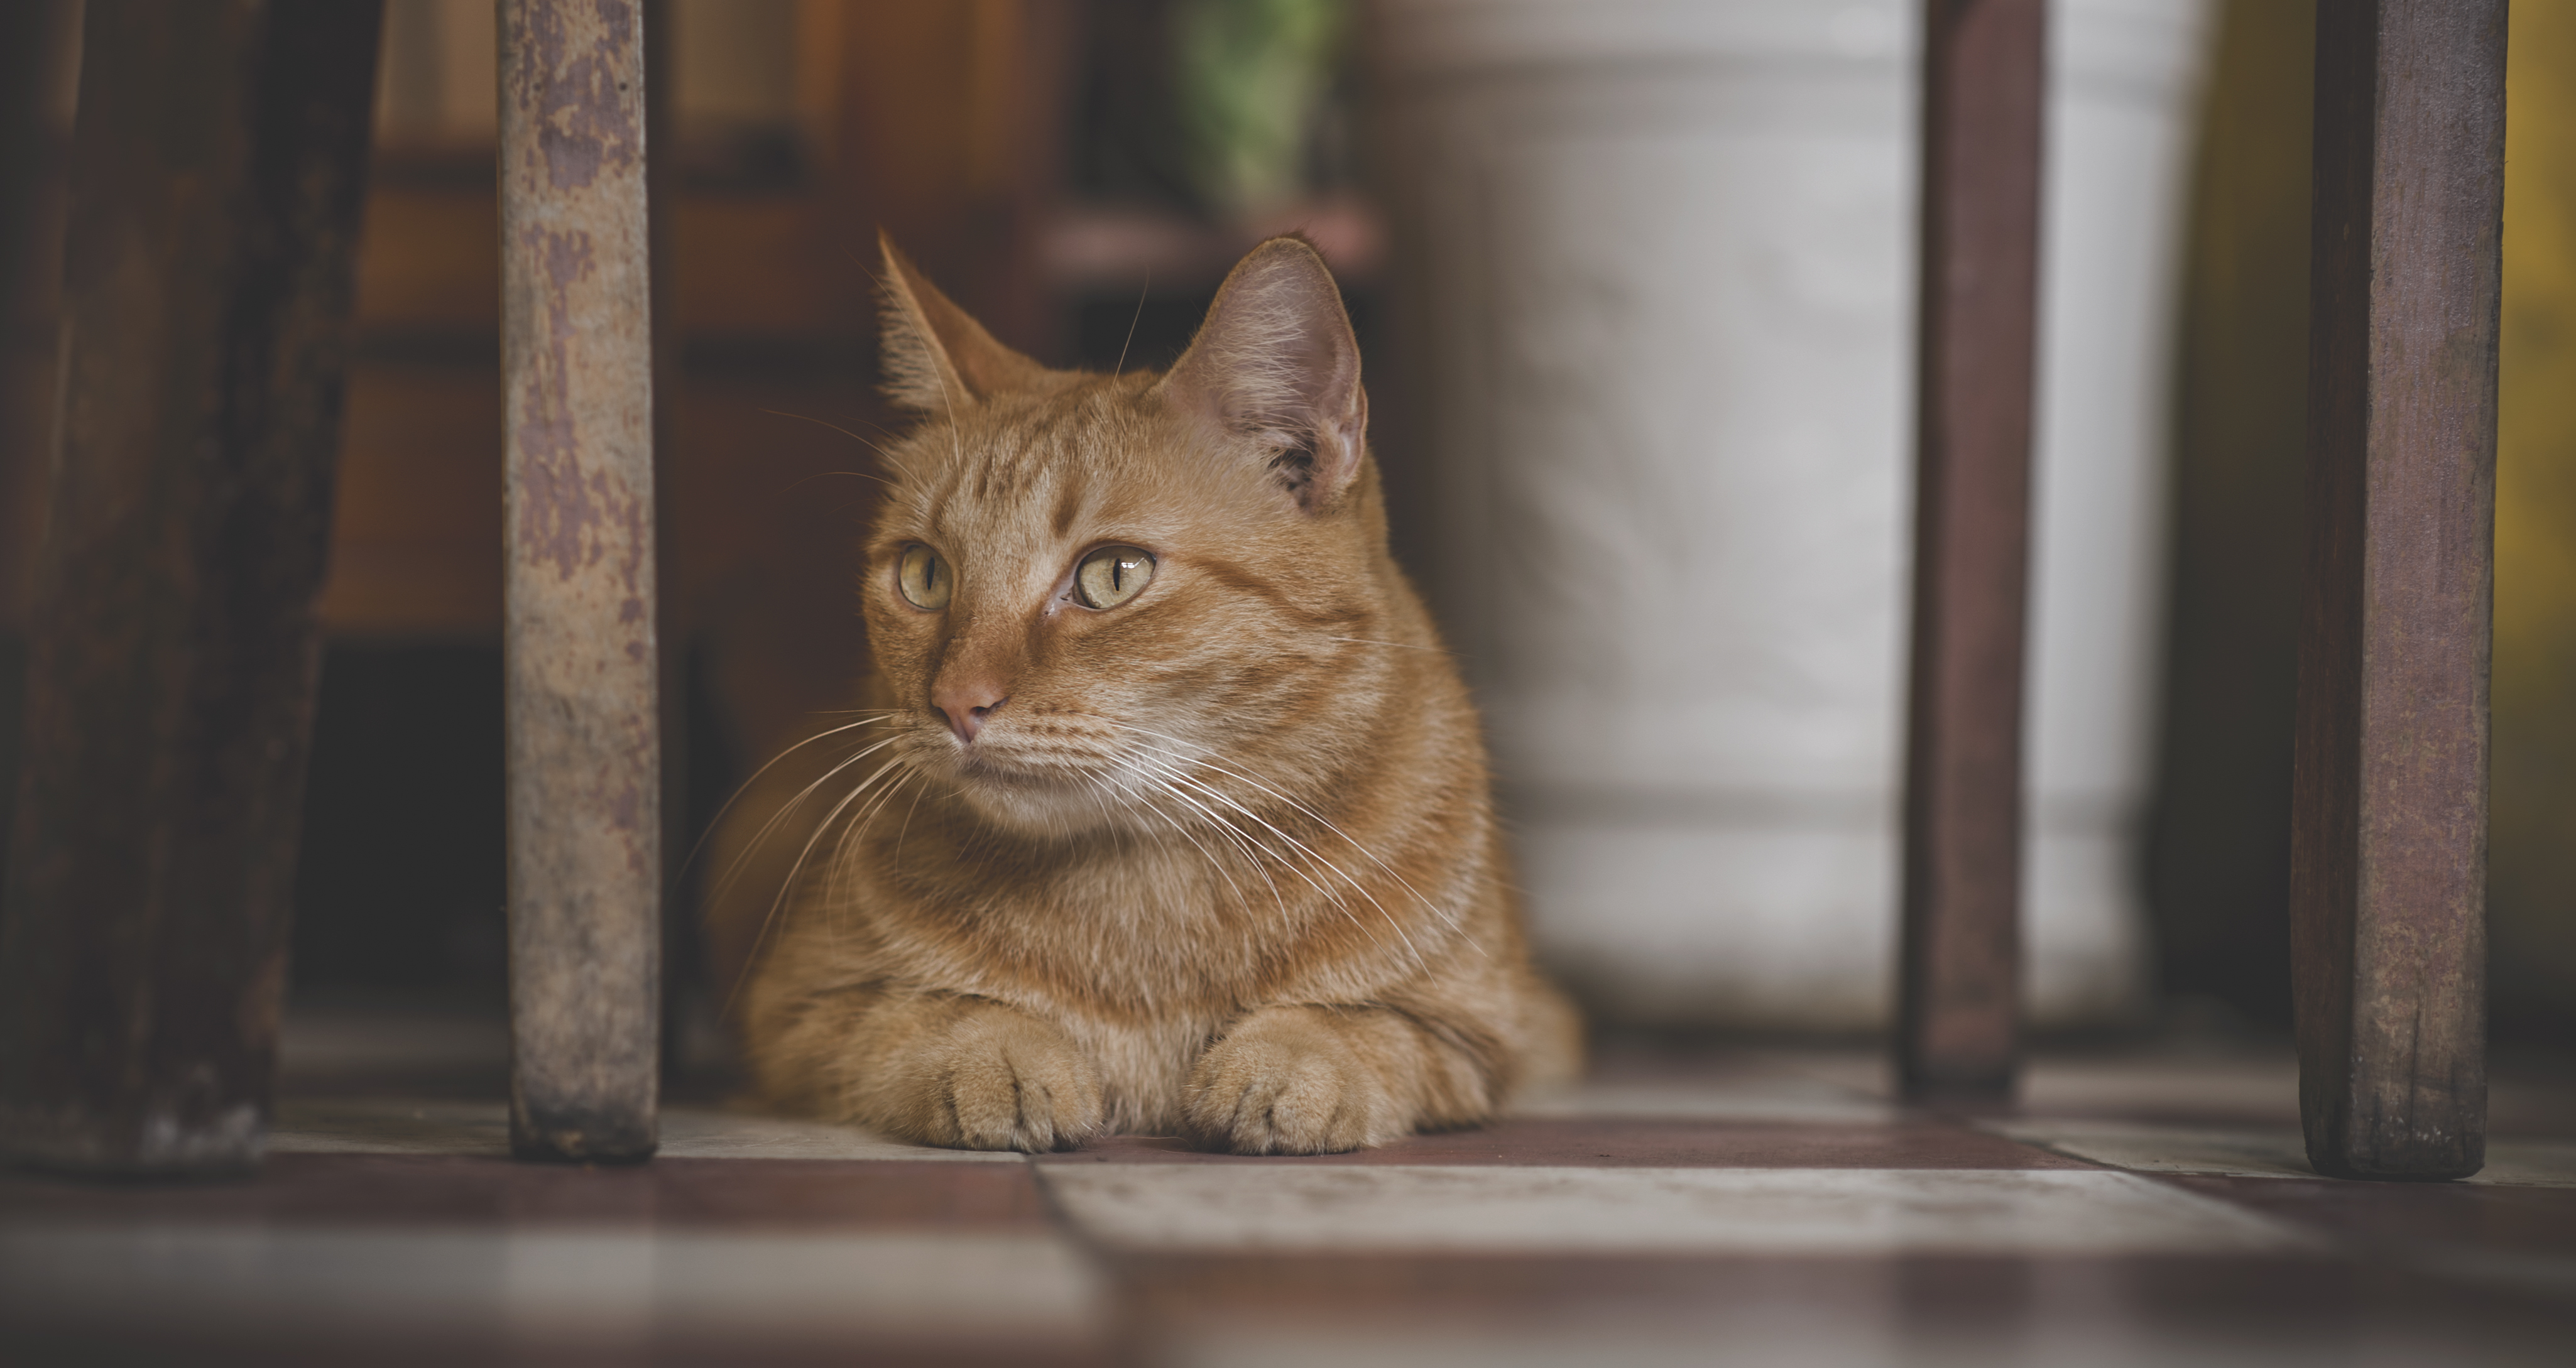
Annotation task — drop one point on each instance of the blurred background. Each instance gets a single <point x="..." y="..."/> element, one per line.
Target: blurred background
<point x="1634" y="284"/>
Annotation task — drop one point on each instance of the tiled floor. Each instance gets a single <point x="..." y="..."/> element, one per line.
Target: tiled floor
<point x="1708" y="1206"/>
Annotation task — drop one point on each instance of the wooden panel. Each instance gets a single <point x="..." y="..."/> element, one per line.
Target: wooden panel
<point x="416" y="543"/>
<point x="1959" y="1001"/>
<point x="579" y="642"/>
<point x="432" y="260"/>
<point x="948" y="126"/>
<point x="36" y="69"/>
<point x="170" y="688"/>
<point x="416" y="547"/>
<point x="949" y="138"/>
<point x="432" y="265"/>
<point x="2388" y="848"/>
<point x="753" y="266"/>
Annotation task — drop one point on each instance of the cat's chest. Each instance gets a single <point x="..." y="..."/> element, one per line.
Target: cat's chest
<point x="1133" y="930"/>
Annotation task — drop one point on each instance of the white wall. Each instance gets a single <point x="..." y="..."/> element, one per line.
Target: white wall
<point x="1662" y="262"/>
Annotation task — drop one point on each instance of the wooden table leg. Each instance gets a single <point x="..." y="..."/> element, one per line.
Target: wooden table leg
<point x="2388" y="854"/>
<point x="1959" y="1000"/>
<point x="580" y="641"/>
<point x="217" y="169"/>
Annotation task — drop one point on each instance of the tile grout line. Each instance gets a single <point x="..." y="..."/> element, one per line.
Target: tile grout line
<point x="1128" y="1335"/>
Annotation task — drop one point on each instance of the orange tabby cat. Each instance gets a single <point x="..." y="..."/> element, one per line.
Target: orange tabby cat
<point x="1171" y="813"/>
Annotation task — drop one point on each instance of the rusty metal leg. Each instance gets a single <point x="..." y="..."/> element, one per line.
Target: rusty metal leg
<point x="1959" y="998"/>
<point x="581" y="659"/>
<point x="2388" y="852"/>
<point x="207" y="278"/>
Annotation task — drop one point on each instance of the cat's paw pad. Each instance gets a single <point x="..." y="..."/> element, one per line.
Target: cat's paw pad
<point x="1007" y="1082"/>
<point x="1287" y="1090"/>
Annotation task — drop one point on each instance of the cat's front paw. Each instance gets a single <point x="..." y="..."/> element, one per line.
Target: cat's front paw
<point x="1285" y="1081"/>
<point x="1000" y="1080"/>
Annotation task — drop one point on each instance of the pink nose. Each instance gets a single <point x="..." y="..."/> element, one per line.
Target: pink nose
<point x="966" y="706"/>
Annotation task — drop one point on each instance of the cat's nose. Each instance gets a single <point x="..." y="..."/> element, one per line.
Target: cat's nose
<point x="966" y="706"/>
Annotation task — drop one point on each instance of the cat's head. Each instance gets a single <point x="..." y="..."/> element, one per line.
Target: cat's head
<point x="1128" y="601"/>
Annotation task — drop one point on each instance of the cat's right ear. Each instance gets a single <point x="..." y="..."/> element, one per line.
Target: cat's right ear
<point x="1275" y="362"/>
<point x="937" y="357"/>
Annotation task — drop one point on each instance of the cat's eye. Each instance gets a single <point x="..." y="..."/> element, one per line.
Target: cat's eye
<point x="924" y="578"/>
<point x="1112" y="575"/>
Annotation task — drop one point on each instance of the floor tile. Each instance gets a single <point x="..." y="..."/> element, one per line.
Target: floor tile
<point x="1366" y="1310"/>
<point x="1787" y="1101"/>
<point x="1636" y="1143"/>
<point x="2254" y="1086"/>
<point x="1765" y="1340"/>
<point x="2528" y="1094"/>
<point x="2250" y="1153"/>
<point x="696" y="1133"/>
<point x="1533" y="1210"/>
<point x="600" y="1290"/>
<point x="2539" y="1220"/>
<point x="446" y="1190"/>
<point x="1693" y="1203"/>
<point x="427" y="1126"/>
<point x="2517" y="1237"/>
<point x="2229" y="1090"/>
<point x="457" y="1258"/>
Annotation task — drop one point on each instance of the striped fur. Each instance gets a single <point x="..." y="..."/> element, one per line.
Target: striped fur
<point x="1224" y="861"/>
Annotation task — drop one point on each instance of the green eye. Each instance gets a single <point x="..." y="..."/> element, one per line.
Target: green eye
<point x="924" y="578"/>
<point x="1112" y="575"/>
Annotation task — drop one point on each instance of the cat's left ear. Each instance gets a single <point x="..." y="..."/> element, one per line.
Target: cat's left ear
<point x="937" y="357"/>
<point x="1275" y="361"/>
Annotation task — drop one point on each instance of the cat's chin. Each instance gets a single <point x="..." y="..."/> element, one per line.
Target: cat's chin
<point x="1037" y="804"/>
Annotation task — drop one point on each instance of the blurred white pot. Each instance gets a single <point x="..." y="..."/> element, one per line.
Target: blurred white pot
<point x="1659" y="256"/>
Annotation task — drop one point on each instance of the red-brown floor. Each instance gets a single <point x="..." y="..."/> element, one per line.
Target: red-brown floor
<point x="1707" y="1206"/>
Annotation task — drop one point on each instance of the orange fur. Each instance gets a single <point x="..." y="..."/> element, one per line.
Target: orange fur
<point x="1222" y="859"/>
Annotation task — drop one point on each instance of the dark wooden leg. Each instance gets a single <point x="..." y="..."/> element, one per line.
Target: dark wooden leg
<point x="217" y="169"/>
<point x="2388" y="853"/>
<point x="579" y="641"/>
<point x="1959" y="999"/>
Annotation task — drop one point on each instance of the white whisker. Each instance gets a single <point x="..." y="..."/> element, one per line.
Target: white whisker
<point x="1255" y="851"/>
<point x="1399" y="645"/>
<point x="882" y="453"/>
<point x="1429" y="906"/>
<point x="906" y="828"/>
<point x="845" y="848"/>
<point x="745" y="786"/>
<point x="1252" y="851"/>
<point x="1204" y="853"/>
<point x="1138" y="317"/>
<point x="724" y="885"/>
<point x="788" y="883"/>
<point x="1168" y="777"/>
